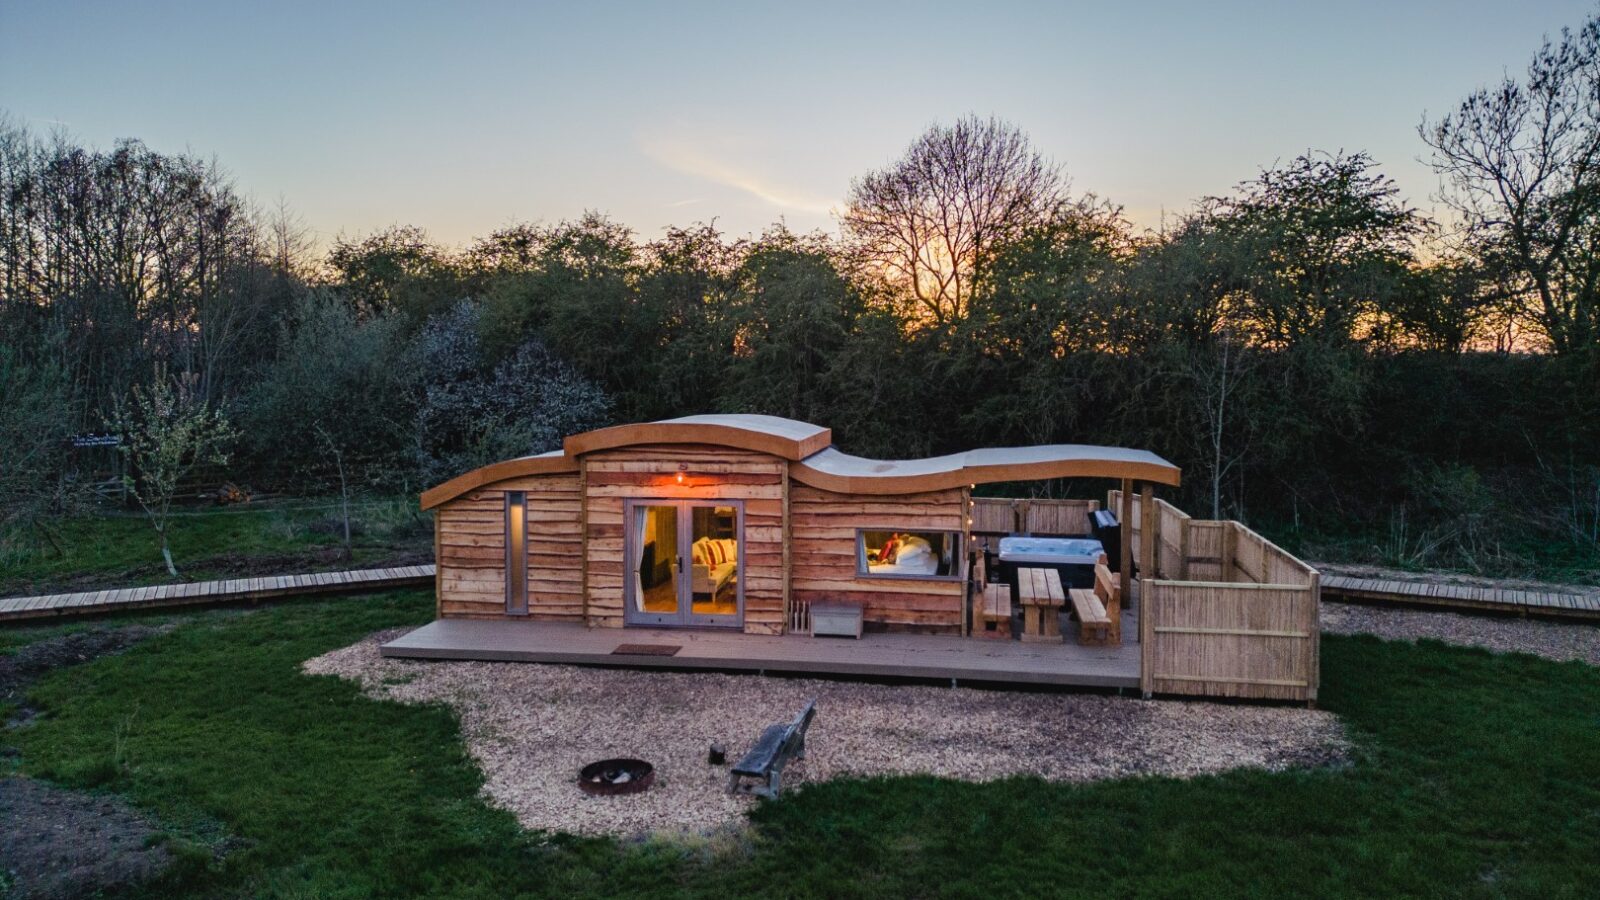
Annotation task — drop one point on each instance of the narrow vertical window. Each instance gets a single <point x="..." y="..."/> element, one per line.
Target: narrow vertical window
<point x="516" y="553"/>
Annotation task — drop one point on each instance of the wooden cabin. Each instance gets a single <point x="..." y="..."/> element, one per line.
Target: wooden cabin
<point x="707" y="542"/>
<point x="729" y="521"/>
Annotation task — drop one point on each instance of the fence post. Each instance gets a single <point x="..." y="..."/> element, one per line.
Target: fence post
<point x="1149" y="531"/>
<point x="1230" y="543"/>
<point x="1314" y="677"/>
<point x="1148" y="603"/>
<point x="1125" y="565"/>
<point x="1183" y="549"/>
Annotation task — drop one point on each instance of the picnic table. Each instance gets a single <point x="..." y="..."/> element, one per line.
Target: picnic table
<point x="1041" y="595"/>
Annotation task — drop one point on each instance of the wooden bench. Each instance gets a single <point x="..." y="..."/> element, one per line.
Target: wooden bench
<point x="1099" y="610"/>
<point x="991" y="611"/>
<point x="777" y="745"/>
<point x="991" y="606"/>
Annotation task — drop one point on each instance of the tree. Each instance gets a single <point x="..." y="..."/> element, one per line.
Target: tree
<point x="792" y="313"/>
<point x="1521" y="165"/>
<point x="166" y="432"/>
<point x="337" y="373"/>
<point x="133" y="256"/>
<point x="470" y="412"/>
<point x="35" y="430"/>
<point x="926" y="223"/>
<point x="337" y="454"/>
<point x="397" y="269"/>
<point x="1315" y="248"/>
<point x="1219" y="373"/>
<point x="1042" y="308"/>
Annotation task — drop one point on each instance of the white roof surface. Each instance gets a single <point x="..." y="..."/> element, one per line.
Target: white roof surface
<point x="833" y="462"/>
<point x="777" y="426"/>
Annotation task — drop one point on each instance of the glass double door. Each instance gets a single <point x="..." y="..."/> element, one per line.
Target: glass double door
<point x="684" y="562"/>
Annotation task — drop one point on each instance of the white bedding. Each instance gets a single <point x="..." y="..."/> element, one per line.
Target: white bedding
<point x="915" y="557"/>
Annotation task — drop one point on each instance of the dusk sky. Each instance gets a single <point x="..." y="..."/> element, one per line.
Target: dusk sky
<point x="464" y="117"/>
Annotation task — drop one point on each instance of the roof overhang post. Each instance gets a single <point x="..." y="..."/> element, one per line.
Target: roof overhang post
<point x="1125" y="518"/>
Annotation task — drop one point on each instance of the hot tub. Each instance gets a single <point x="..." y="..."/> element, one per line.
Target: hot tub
<point x="1074" y="558"/>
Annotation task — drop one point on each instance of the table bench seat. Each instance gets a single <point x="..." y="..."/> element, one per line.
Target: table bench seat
<point x="1094" y="622"/>
<point x="992" y="611"/>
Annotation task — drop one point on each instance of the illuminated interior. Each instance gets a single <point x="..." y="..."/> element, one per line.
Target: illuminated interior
<point x="907" y="554"/>
<point x="711" y="585"/>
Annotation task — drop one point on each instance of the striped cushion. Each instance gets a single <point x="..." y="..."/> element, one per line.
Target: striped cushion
<point x="713" y="553"/>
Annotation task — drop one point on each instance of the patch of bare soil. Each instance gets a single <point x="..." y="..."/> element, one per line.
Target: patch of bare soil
<point x="31" y="661"/>
<point x="57" y="843"/>
<point x="1431" y="576"/>
<point x="1561" y="641"/>
<point x="530" y="727"/>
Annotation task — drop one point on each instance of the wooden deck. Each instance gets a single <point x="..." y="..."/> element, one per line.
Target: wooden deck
<point x="873" y="655"/>
<point x="203" y="593"/>
<point x="1552" y="603"/>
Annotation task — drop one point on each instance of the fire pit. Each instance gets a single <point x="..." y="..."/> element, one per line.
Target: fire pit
<point x="616" y="776"/>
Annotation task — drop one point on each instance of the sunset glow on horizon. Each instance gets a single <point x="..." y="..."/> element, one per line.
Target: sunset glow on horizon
<point x="465" y="118"/>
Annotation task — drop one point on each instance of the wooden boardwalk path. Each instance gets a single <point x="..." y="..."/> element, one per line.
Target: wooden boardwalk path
<point x="1526" y="601"/>
<point x="203" y="593"/>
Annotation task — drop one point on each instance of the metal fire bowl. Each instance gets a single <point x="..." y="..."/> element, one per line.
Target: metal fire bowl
<point x="591" y="778"/>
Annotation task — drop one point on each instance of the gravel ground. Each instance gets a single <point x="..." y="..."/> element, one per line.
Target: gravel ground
<point x="1554" y="640"/>
<point x="531" y="727"/>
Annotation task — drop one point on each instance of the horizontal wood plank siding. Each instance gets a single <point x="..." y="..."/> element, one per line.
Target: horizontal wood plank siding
<point x="472" y="549"/>
<point x="710" y="473"/>
<point x="823" y="528"/>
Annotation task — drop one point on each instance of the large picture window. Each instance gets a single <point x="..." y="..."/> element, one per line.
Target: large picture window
<point x="907" y="554"/>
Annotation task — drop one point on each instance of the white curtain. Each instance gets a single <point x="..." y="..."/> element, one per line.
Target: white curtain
<point x="639" y="518"/>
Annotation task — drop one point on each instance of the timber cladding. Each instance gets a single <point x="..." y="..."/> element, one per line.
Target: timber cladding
<point x="823" y="560"/>
<point x="710" y="473"/>
<point x="471" y="535"/>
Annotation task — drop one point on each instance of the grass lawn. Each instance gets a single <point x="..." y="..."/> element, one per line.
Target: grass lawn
<point x="1477" y="775"/>
<point x="272" y="537"/>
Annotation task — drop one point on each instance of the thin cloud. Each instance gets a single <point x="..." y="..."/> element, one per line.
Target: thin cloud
<point x="689" y="202"/>
<point x="691" y="160"/>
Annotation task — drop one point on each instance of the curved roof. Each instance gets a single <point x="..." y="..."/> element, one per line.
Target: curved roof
<point x="814" y="461"/>
<point x="836" y="471"/>
<point x="541" y="464"/>
<point x="787" y="438"/>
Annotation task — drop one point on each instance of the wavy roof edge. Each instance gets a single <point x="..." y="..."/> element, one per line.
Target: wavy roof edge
<point x="815" y="462"/>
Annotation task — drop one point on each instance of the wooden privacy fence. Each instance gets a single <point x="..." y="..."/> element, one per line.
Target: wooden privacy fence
<point x="1223" y="612"/>
<point x="1172" y="549"/>
<point x="1229" y="639"/>
<point x="1001" y="515"/>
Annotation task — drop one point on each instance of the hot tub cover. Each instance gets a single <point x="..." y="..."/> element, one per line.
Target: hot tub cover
<point x="1050" y="551"/>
